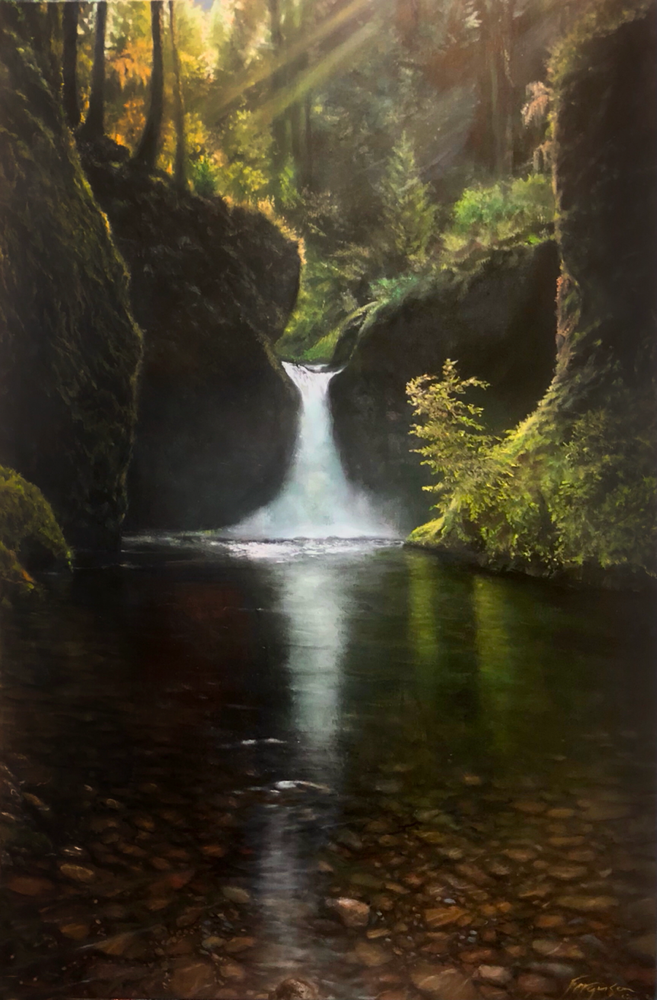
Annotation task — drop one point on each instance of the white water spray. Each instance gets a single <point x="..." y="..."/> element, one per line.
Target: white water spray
<point x="316" y="500"/>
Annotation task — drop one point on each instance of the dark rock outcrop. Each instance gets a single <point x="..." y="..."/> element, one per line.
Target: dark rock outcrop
<point x="69" y="348"/>
<point x="212" y="288"/>
<point x="576" y="493"/>
<point x="497" y="321"/>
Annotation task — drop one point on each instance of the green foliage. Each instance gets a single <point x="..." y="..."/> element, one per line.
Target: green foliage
<point x="605" y="504"/>
<point x="243" y="159"/>
<point x="549" y="497"/>
<point x="204" y="175"/>
<point x="328" y="293"/>
<point x="26" y="521"/>
<point x="407" y="209"/>
<point x="458" y="445"/>
<point x="490" y="215"/>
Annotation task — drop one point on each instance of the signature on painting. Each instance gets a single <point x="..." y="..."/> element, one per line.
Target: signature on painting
<point x="585" y="987"/>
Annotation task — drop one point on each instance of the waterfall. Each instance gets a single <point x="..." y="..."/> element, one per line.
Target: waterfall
<point x="316" y="500"/>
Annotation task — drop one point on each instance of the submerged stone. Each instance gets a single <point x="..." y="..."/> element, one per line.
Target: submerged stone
<point x="496" y="975"/>
<point x="444" y="984"/>
<point x="371" y="955"/>
<point x="535" y="985"/>
<point x="194" y="979"/>
<point x="442" y="916"/>
<point x="587" y="904"/>
<point x="352" y="912"/>
<point x="28" y="886"/>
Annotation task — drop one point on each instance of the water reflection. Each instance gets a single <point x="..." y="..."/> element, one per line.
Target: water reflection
<point x="312" y="596"/>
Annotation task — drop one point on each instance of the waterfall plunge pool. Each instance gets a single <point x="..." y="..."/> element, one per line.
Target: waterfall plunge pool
<point x="209" y="748"/>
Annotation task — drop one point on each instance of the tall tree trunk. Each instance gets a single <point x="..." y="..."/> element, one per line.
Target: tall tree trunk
<point x="180" y="162"/>
<point x="495" y="84"/>
<point x="308" y="142"/>
<point x="149" y="144"/>
<point x="70" y="16"/>
<point x="278" y="80"/>
<point x="94" y="123"/>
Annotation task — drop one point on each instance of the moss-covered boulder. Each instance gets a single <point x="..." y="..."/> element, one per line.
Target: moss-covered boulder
<point x="69" y="348"/>
<point x="212" y="288"/>
<point x="572" y="491"/>
<point x="496" y="318"/>
<point x="30" y="538"/>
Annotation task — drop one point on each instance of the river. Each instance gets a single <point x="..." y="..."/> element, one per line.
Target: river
<point x="210" y="744"/>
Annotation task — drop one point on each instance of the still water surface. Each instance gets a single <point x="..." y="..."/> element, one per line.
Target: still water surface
<point x="212" y="742"/>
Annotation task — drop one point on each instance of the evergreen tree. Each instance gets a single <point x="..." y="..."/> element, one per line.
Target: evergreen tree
<point x="407" y="210"/>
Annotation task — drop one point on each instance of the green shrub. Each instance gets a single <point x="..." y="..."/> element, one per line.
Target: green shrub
<point x="490" y="215"/>
<point x="457" y="446"/>
<point x="575" y="496"/>
<point x="204" y="175"/>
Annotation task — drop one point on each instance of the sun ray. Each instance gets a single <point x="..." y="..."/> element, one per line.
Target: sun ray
<point x="218" y="103"/>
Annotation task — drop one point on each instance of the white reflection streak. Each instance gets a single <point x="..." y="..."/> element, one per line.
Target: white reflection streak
<point x="314" y="599"/>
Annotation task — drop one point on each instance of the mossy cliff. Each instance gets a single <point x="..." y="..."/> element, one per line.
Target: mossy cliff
<point x="496" y="317"/>
<point x="573" y="488"/>
<point x="212" y="288"/>
<point x="69" y="348"/>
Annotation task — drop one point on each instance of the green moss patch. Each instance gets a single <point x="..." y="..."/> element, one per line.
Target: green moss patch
<point x="29" y="533"/>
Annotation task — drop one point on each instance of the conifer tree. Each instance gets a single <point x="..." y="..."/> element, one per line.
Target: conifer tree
<point x="407" y="210"/>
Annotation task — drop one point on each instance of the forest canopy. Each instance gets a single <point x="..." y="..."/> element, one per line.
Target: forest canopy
<point x="359" y="125"/>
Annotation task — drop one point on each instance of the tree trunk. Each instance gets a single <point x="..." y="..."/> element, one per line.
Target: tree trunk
<point x="308" y="142"/>
<point x="278" y="80"/>
<point x="94" y="123"/>
<point x="495" y="84"/>
<point x="71" y="12"/>
<point x="149" y="144"/>
<point x="179" y="167"/>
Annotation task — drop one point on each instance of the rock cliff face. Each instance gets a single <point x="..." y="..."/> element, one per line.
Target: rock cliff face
<point x="576" y="493"/>
<point x="605" y="143"/>
<point x="212" y="288"/>
<point x="69" y="348"/>
<point x="497" y="320"/>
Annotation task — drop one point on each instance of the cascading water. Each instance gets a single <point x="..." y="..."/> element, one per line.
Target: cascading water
<point x="316" y="500"/>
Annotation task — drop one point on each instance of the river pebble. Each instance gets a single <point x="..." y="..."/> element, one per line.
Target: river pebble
<point x="534" y="985"/>
<point x="352" y="912"/>
<point x="496" y="975"/>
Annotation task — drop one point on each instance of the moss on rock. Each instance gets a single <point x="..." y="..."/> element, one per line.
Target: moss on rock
<point x="30" y="537"/>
